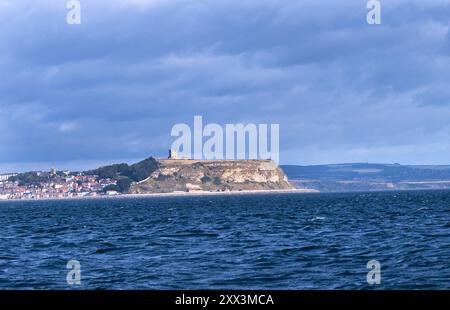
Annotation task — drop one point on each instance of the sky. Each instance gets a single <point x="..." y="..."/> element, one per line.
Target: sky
<point x="110" y="89"/>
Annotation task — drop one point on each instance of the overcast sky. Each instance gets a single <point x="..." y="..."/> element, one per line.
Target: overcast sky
<point x="110" y="89"/>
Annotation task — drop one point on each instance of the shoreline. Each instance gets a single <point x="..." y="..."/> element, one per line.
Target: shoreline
<point x="231" y="193"/>
<point x="173" y="194"/>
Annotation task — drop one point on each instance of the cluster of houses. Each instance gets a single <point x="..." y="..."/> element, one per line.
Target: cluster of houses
<point x="66" y="186"/>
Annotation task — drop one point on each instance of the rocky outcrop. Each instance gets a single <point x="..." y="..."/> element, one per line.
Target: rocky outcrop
<point x="213" y="175"/>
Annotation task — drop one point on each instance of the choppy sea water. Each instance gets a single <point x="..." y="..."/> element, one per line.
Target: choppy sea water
<point x="280" y="241"/>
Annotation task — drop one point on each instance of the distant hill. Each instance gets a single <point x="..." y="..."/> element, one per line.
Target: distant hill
<point x="126" y="174"/>
<point x="368" y="177"/>
<point x="213" y="176"/>
<point x="136" y="172"/>
<point x="169" y="175"/>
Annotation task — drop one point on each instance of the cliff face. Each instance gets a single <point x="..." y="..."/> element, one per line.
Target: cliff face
<point x="215" y="175"/>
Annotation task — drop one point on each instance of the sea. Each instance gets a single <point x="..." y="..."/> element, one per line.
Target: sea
<point x="248" y="241"/>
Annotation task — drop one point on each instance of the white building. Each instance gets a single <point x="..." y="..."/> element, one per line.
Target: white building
<point x="6" y="176"/>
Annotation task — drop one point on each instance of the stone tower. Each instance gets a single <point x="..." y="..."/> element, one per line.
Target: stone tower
<point x="173" y="154"/>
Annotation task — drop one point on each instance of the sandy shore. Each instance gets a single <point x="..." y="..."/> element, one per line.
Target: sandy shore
<point x="174" y="194"/>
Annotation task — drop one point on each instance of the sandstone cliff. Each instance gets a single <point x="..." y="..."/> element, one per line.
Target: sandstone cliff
<point x="215" y="175"/>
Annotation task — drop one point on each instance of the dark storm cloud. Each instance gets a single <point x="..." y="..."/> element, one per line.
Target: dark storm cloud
<point x="112" y="87"/>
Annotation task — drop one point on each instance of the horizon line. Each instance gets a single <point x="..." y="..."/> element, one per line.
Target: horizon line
<point x="92" y="164"/>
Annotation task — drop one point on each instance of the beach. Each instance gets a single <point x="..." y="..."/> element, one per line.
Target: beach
<point x="172" y="194"/>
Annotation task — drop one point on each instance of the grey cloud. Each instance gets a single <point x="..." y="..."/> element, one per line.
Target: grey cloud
<point x="112" y="87"/>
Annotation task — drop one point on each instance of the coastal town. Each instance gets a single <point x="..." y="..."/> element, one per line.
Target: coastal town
<point x="171" y="175"/>
<point x="54" y="184"/>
